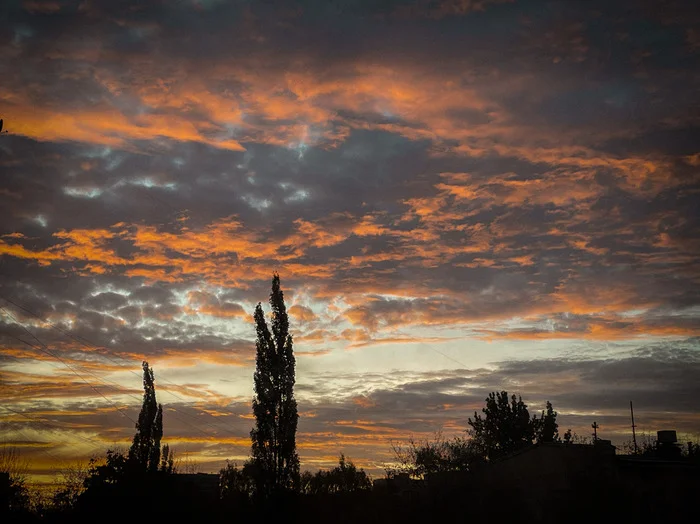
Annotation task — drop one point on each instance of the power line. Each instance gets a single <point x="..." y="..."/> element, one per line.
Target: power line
<point x="93" y="346"/>
<point x="54" y="428"/>
<point x="70" y="335"/>
<point x="39" y="421"/>
<point x="179" y="214"/>
<point x="90" y="345"/>
<point x="41" y="449"/>
<point x="104" y="381"/>
<point x="44" y="348"/>
<point x="139" y="400"/>
<point x="430" y="346"/>
<point x="83" y="341"/>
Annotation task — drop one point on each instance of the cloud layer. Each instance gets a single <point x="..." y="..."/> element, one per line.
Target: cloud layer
<point x="459" y="196"/>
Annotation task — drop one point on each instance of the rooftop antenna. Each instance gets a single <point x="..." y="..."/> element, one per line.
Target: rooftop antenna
<point x="595" y="427"/>
<point x="634" y="434"/>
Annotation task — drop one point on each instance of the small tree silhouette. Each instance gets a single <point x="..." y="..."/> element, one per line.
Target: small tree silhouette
<point x="167" y="460"/>
<point x="419" y="459"/>
<point x="344" y="478"/>
<point x="546" y="427"/>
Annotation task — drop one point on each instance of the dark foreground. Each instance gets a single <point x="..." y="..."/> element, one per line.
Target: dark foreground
<point x="449" y="502"/>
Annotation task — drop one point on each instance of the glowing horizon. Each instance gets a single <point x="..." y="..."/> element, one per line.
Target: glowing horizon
<point x="459" y="197"/>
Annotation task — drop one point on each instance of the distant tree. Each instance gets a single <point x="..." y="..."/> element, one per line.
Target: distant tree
<point x="167" y="460"/>
<point x="106" y="472"/>
<point x="71" y="485"/>
<point x="546" y="427"/>
<point x="274" y="406"/>
<point x="186" y="464"/>
<point x="347" y="478"/>
<point x="116" y="486"/>
<point x="14" y="495"/>
<point x="134" y="474"/>
<point x="423" y="458"/>
<point x="144" y="453"/>
<point x="692" y="451"/>
<point x="505" y="427"/>
<point x="344" y="478"/>
<point x="236" y="484"/>
<point x="646" y="445"/>
<point x="306" y="479"/>
<point x="574" y="438"/>
<point x="567" y="436"/>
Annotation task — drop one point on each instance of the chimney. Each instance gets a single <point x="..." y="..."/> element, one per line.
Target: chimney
<point x="667" y="444"/>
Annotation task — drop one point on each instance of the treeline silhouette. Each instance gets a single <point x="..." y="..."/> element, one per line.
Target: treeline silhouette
<point x="510" y="466"/>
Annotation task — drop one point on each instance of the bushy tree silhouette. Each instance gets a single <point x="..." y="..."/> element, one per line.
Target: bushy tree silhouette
<point x="505" y="427"/>
<point x="344" y="478"/>
<point x="236" y="484"/>
<point x="274" y="406"/>
<point x="144" y="453"/>
<point x="568" y="436"/>
<point x="72" y="486"/>
<point x="105" y="473"/>
<point x="546" y="427"/>
<point x="419" y="459"/>
<point x="14" y="495"/>
<point x="167" y="460"/>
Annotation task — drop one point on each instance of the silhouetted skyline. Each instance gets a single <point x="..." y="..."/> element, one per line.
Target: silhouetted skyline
<point x="460" y="196"/>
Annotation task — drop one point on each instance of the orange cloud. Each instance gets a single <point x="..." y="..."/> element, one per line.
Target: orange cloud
<point x="317" y="235"/>
<point x="302" y="313"/>
<point x="319" y="353"/>
<point x="596" y="328"/>
<point x="107" y="127"/>
<point x="41" y="6"/>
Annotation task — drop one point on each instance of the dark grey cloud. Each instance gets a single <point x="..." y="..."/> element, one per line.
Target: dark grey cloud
<point x="661" y="381"/>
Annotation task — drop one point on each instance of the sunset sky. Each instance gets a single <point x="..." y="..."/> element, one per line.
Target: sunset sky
<point x="459" y="196"/>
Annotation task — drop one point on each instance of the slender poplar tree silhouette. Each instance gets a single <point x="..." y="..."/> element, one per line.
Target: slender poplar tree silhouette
<point x="144" y="453"/>
<point x="274" y="436"/>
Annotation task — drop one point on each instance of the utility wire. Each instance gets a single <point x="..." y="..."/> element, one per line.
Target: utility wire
<point x="44" y="348"/>
<point x="41" y="449"/>
<point x="139" y="400"/>
<point x="54" y="428"/>
<point x="133" y="397"/>
<point x="70" y="335"/>
<point x="91" y="345"/>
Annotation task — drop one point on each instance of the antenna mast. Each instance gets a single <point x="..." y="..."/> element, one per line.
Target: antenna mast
<point x="634" y="434"/>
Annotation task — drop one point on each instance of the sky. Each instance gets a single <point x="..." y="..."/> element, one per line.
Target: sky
<point x="460" y="196"/>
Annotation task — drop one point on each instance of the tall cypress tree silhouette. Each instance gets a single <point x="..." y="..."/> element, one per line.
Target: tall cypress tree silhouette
<point x="144" y="452"/>
<point x="274" y="406"/>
